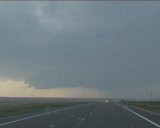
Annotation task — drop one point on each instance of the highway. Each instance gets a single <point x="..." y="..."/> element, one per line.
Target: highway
<point x="94" y="115"/>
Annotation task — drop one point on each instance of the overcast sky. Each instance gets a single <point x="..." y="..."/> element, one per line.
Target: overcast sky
<point x="108" y="48"/>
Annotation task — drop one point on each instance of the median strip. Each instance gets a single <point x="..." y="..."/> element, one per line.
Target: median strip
<point x="38" y="115"/>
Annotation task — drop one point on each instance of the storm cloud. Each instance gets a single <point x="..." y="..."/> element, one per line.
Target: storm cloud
<point x="112" y="46"/>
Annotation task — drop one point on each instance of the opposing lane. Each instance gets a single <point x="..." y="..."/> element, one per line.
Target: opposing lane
<point x="98" y="115"/>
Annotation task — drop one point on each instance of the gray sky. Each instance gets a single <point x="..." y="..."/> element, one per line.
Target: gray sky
<point x="109" y="46"/>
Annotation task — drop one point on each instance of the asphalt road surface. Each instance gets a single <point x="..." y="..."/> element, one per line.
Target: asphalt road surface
<point x="94" y="115"/>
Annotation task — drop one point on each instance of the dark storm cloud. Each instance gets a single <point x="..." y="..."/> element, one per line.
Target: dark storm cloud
<point x="104" y="45"/>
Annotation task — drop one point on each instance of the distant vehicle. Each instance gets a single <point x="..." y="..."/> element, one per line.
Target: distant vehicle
<point x="107" y="101"/>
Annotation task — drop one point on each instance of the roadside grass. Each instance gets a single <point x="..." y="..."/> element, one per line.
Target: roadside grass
<point x="18" y="109"/>
<point x="151" y="106"/>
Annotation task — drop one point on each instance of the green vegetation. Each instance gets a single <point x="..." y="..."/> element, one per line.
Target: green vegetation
<point x="151" y="106"/>
<point x="18" y="109"/>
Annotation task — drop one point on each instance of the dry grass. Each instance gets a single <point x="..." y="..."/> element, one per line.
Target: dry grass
<point x="151" y="106"/>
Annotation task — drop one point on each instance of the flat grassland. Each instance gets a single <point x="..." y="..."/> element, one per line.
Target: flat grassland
<point x="150" y="106"/>
<point x="18" y="109"/>
<point x="13" y="106"/>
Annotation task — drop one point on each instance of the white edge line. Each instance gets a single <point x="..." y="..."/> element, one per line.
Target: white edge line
<point x="143" y="117"/>
<point x="140" y="116"/>
<point x="146" y="110"/>
<point x="29" y="117"/>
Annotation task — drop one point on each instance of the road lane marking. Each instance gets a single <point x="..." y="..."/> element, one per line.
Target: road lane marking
<point x="46" y="113"/>
<point x="51" y="125"/>
<point x="125" y="107"/>
<point x="146" y="110"/>
<point x="90" y="113"/>
<point x="82" y="119"/>
<point x="143" y="117"/>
